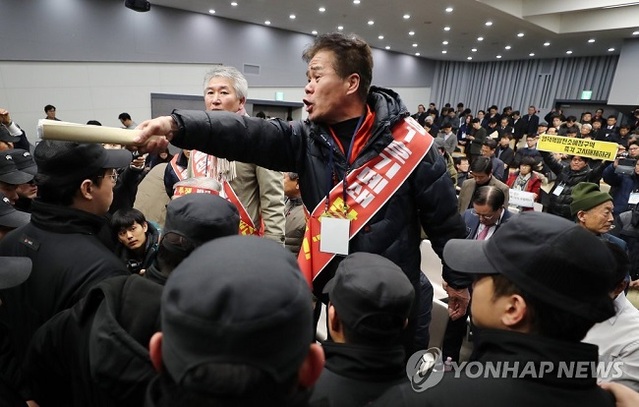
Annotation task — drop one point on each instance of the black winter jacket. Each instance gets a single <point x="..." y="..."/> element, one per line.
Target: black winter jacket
<point x="547" y="382"/>
<point x="567" y="178"/>
<point x="96" y="353"/>
<point x="68" y="260"/>
<point x="427" y="197"/>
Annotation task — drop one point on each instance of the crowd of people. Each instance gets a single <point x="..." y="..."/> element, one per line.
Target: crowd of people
<point x="133" y="277"/>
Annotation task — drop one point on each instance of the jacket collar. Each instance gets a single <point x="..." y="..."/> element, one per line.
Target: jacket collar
<point x="67" y="220"/>
<point x="364" y="362"/>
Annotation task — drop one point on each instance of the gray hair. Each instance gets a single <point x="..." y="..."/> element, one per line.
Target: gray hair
<point x="199" y="182"/>
<point x="239" y="81"/>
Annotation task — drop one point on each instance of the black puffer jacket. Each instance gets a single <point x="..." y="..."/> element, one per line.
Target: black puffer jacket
<point x="567" y="179"/>
<point x="96" y="353"/>
<point x="427" y="197"/>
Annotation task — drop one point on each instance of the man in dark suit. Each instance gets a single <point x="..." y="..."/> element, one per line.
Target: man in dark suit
<point x="476" y="137"/>
<point x="504" y="152"/>
<point x="530" y="121"/>
<point x="518" y="127"/>
<point x="486" y="216"/>
<point x="421" y="114"/>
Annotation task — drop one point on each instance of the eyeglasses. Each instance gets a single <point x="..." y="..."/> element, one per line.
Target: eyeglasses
<point x="113" y="176"/>
<point x="487" y="217"/>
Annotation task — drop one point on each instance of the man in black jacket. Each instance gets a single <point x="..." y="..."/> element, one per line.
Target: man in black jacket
<point x="75" y="185"/>
<point x="534" y="300"/>
<point x="348" y="127"/>
<point x="370" y="299"/>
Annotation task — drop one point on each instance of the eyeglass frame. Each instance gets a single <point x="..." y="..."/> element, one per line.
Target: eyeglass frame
<point x="114" y="176"/>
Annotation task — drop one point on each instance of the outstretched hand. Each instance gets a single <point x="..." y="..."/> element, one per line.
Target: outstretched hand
<point x="155" y="134"/>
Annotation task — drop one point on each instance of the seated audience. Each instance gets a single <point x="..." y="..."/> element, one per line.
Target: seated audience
<point x="525" y="180"/>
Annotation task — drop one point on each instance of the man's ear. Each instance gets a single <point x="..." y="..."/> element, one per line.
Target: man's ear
<point x="86" y="189"/>
<point x="353" y="83"/>
<point x="242" y="103"/>
<point x="515" y="314"/>
<point x="155" y="351"/>
<point x="311" y="368"/>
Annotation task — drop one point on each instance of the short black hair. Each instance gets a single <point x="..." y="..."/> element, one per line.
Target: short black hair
<point x="124" y="116"/>
<point x="124" y="218"/>
<point x="482" y="165"/>
<point x="490" y="143"/>
<point x="48" y="107"/>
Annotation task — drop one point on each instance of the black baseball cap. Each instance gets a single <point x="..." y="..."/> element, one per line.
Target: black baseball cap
<point x="9" y="172"/>
<point x="9" y="216"/>
<point x="366" y="285"/>
<point x="24" y="161"/>
<point x="557" y="261"/>
<point x="66" y="162"/>
<point x="201" y="217"/>
<point x="239" y="300"/>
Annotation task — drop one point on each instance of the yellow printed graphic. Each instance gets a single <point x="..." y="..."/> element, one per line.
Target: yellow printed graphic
<point x="336" y="210"/>
<point x="245" y="229"/>
<point x="600" y="150"/>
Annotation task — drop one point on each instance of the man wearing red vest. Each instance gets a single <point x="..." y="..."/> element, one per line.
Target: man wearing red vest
<point x="366" y="169"/>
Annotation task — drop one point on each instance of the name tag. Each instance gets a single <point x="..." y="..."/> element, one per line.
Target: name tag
<point x="634" y="198"/>
<point x="558" y="190"/>
<point x="334" y="235"/>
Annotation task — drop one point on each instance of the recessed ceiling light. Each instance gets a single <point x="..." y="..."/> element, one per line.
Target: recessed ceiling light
<point x="590" y="41"/>
<point x="415" y="45"/>
<point x="474" y="50"/>
<point x="569" y="52"/>
<point x="610" y="49"/>
<point x="417" y="54"/>
<point x="355" y="1"/>
<point x="314" y="32"/>
<point x="292" y="16"/>
<point x="449" y="9"/>
<point x="387" y="47"/>
<point x="635" y="33"/>
<point x="371" y="22"/>
<point x="546" y="44"/>
<point x="532" y="54"/>
<point x="340" y="27"/>
<point x="381" y="37"/>
<point x="406" y="16"/>
<point x="498" y="57"/>
<point x="447" y="28"/>
<point x="469" y="58"/>
<point x="444" y="51"/>
<point x="507" y="47"/>
<point x="520" y="35"/>
<point x="411" y="33"/>
<point x="480" y="38"/>
<point x="212" y="11"/>
<point x="489" y="23"/>
<point x="267" y="22"/>
<point x="444" y="42"/>
<point x="234" y="4"/>
<point x="322" y="9"/>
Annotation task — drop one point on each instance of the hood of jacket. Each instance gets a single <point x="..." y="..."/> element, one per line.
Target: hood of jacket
<point x="127" y="314"/>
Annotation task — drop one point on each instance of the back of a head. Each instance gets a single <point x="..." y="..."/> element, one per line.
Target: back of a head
<point x="238" y="301"/>
<point x="489" y="195"/>
<point x="124" y="116"/>
<point x="482" y="165"/>
<point x="372" y="297"/>
<point x="191" y="221"/>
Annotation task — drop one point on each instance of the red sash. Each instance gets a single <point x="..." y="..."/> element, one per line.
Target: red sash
<point x="201" y="166"/>
<point x="180" y="172"/>
<point x="369" y="188"/>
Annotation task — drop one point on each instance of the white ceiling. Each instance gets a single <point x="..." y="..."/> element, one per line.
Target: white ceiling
<point x="567" y="25"/>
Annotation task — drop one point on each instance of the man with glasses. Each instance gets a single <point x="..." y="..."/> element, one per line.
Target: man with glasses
<point x="75" y="189"/>
<point x="488" y="213"/>
<point x="481" y="171"/>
